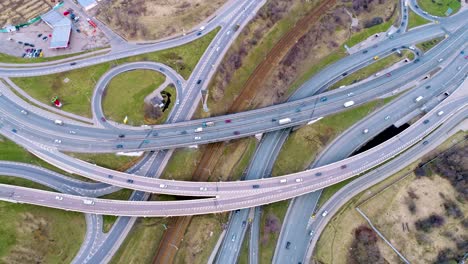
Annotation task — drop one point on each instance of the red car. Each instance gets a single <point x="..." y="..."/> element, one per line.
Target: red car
<point x="227" y="121"/>
<point x="103" y="119"/>
<point x="388" y="74"/>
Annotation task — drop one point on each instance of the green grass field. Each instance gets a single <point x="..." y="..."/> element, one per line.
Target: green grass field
<point x="77" y="92"/>
<point x="414" y="20"/>
<point x="365" y="33"/>
<point x="367" y="71"/>
<point x="439" y="7"/>
<point x="125" y="94"/>
<point x="34" y="234"/>
<point x="267" y="243"/>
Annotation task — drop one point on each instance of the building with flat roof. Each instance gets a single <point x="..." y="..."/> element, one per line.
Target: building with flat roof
<point x="87" y="4"/>
<point x="61" y="29"/>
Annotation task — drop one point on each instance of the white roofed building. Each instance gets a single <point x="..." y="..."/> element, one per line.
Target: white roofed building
<point x="61" y="29"/>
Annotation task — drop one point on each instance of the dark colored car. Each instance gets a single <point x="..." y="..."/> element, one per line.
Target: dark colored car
<point x="427" y="87"/>
<point x="344" y="166"/>
<point x="45" y="38"/>
<point x="199" y="81"/>
<point x="318" y="174"/>
<point x="388" y="74"/>
<point x="103" y="119"/>
<point x="344" y="74"/>
<point x="244" y="223"/>
<point x="199" y="33"/>
<point x="77" y="30"/>
<point x="416" y="60"/>
<point x="323" y="99"/>
<point x="14" y="130"/>
<point x="155" y="134"/>
<point x="40" y="35"/>
<point x="425" y="121"/>
<point x="416" y="6"/>
<point x="255" y="186"/>
<point x="121" y="136"/>
<point x="119" y="146"/>
<point x="398" y="31"/>
<point x="425" y="142"/>
<point x="236" y="132"/>
<point x="130" y="181"/>
<point x="375" y="46"/>
<point x="364" y="52"/>
<point x="110" y="176"/>
<point x="394" y="49"/>
<point x="236" y="211"/>
<point x="288" y="244"/>
<point x="73" y="63"/>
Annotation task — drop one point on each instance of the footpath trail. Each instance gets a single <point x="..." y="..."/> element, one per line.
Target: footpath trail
<point x="178" y="225"/>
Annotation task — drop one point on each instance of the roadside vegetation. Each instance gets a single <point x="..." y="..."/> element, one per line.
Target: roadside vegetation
<point x="439" y="7"/>
<point x="126" y="93"/>
<point x="107" y="160"/>
<point x="373" y="68"/>
<point x="6" y="58"/>
<point x="270" y="227"/>
<point x="415" y="20"/>
<point x="401" y="203"/>
<point x="75" y="88"/>
<point x="427" y="45"/>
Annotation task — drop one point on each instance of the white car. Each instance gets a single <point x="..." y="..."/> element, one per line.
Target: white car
<point x="440" y="60"/>
<point x="324" y="213"/>
<point x="365" y="131"/>
<point x="57" y="141"/>
<point x="162" y="186"/>
<point x="299" y="180"/>
<point x="60" y="198"/>
<point x="440" y="113"/>
<point x="350" y="94"/>
<point x="72" y="132"/>
<point x="203" y="189"/>
<point x="387" y="117"/>
<point x="24" y="112"/>
<point x="197" y="138"/>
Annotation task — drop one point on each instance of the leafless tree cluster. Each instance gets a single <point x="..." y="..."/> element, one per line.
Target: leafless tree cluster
<point x="410" y="201"/>
<point x="451" y="208"/>
<point x="272" y="226"/>
<point x="125" y="16"/>
<point x="429" y="223"/>
<point x="364" y="247"/>
<point x="152" y="112"/>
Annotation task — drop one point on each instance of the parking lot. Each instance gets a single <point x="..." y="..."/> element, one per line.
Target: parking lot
<point x="88" y="38"/>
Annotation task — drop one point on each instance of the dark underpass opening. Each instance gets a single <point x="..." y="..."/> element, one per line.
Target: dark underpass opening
<point x="385" y="135"/>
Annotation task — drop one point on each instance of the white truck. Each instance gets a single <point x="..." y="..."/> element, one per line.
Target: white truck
<point x="284" y="121"/>
<point x="419" y="98"/>
<point x="283" y="181"/>
<point x="198" y="129"/>
<point x="349" y="103"/>
<point x="88" y="202"/>
<point x="208" y="124"/>
<point x="58" y="122"/>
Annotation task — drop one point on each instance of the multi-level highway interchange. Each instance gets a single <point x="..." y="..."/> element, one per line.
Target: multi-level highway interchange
<point x="37" y="133"/>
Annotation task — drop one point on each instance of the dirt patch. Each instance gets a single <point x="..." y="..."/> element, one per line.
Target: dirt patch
<point x="147" y="20"/>
<point x="425" y="217"/>
<point x="15" y="12"/>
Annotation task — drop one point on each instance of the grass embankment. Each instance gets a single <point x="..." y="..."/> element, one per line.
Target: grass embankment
<point x="34" y="234"/>
<point x="303" y="145"/>
<point x="12" y="152"/>
<point x="270" y="227"/>
<point x="163" y="118"/>
<point x="77" y="92"/>
<point x="427" y="45"/>
<point x="439" y="7"/>
<point x="244" y="251"/>
<point x="365" y="33"/>
<point x="125" y="94"/>
<point x="334" y="242"/>
<point x="371" y="69"/>
<point x="110" y="160"/>
<point x="6" y="58"/>
<point x="415" y="20"/>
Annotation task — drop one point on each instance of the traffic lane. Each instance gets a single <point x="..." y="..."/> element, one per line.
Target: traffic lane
<point x="189" y="188"/>
<point x="211" y="205"/>
<point x="305" y="106"/>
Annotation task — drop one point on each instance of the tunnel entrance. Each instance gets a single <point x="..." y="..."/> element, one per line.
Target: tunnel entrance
<point x="388" y="133"/>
